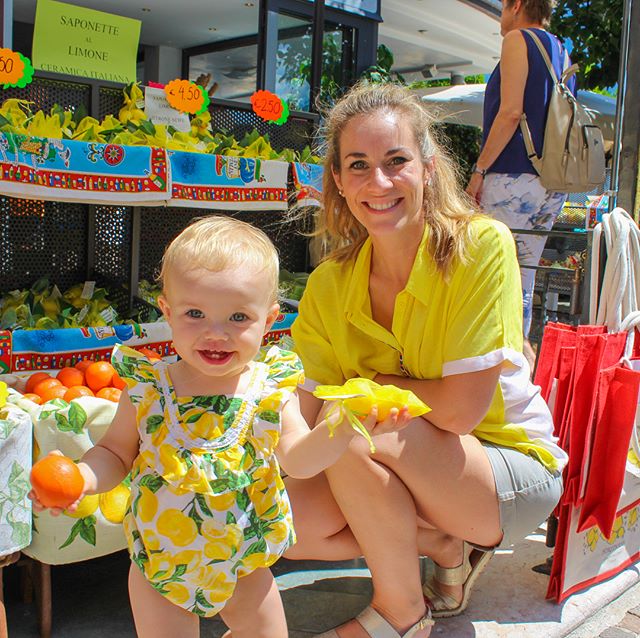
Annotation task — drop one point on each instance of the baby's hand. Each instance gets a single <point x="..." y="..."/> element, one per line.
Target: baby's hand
<point x="395" y="421"/>
<point x="79" y="483"/>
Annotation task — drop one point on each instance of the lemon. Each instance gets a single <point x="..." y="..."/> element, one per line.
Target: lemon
<point x="177" y="527"/>
<point x="147" y="505"/>
<point x="113" y="504"/>
<point x="87" y="506"/>
<point x="176" y="593"/>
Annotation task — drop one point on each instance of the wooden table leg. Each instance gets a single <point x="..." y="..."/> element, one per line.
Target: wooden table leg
<point x="3" y="616"/>
<point x="43" y="598"/>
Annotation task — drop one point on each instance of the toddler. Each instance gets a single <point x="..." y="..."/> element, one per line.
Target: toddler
<point x="204" y="439"/>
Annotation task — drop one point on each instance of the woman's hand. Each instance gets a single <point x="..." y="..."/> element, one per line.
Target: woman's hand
<point x="474" y="187"/>
<point x="396" y="421"/>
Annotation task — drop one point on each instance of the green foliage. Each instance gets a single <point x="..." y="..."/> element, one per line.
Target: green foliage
<point x="594" y="28"/>
<point x="381" y="71"/>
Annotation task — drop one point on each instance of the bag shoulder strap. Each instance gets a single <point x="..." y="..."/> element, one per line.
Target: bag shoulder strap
<point x="544" y="54"/>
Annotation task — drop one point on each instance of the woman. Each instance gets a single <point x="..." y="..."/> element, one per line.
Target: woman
<point x="503" y="179"/>
<point x="422" y="292"/>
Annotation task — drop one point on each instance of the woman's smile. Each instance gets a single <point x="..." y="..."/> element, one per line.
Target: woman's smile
<point x="383" y="206"/>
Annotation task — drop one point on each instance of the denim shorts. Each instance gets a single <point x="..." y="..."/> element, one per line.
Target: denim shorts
<point x="527" y="491"/>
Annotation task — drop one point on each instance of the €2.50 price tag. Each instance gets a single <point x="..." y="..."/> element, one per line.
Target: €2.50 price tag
<point x="15" y="69"/>
<point x="186" y="96"/>
<point x="270" y="107"/>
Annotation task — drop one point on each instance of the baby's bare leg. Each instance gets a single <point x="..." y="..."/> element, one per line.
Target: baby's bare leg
<point x="255" y="609"/>
<point x="156" y="616"/>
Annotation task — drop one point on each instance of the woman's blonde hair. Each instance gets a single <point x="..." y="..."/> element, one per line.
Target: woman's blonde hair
<point x="447" y="208"/>
<point x="217" y="243"/>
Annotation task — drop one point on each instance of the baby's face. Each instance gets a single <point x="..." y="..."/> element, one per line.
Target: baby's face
<point x="218" y="319"/>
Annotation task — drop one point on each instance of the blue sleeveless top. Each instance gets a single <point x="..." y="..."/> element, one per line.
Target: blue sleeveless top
<point x="537" y="93"/>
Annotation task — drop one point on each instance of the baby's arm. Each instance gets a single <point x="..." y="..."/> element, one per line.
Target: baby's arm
<point x="303" y="453"/>
<point x="108" y="461"/>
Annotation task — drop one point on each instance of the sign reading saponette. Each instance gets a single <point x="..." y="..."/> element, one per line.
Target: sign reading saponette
<point x="83" y="42"/>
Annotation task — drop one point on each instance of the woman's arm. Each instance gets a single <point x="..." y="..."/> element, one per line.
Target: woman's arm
<point x="514" y="68"/>
<point x="109" y="461"/>
<point x="458" y="402"/>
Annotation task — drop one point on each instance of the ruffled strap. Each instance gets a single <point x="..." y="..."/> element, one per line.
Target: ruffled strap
<point x="285" y="374"/>
<point x="134" y="368"/>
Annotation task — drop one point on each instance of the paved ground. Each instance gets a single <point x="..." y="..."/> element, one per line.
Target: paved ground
<point x="90" y="600"/>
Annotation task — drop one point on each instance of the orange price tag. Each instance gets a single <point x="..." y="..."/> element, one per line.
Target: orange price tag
<point x="11" y="67"/>
<point x="267" y="105"/>
<point x="185" y="96"/>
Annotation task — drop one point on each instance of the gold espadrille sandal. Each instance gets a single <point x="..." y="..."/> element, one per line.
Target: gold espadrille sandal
<point x="465" y="574"/>
<point x="377" y="627"/>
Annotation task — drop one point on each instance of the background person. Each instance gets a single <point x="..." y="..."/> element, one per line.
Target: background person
<point x="503" y="179"/>
<point x="423" y="292"/>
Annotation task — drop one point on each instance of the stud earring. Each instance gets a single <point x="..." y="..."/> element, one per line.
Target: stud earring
<point x="341" y="193"/>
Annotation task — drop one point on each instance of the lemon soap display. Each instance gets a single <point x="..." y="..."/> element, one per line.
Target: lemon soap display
<point x="95" y="528"/>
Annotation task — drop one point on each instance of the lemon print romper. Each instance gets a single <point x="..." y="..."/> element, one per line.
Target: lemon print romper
<point x="207" y="505"/>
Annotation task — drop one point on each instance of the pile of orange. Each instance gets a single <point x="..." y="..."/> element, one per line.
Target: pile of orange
<point x="86" y="378"/>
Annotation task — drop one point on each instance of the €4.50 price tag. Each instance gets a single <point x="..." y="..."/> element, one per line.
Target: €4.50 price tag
<point x="15" y="69"/>
<point x="186" y="96"/>
<point x="269" y="107"/>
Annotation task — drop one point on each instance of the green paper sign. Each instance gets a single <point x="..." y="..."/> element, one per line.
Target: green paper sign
<point x="83" y="42"/>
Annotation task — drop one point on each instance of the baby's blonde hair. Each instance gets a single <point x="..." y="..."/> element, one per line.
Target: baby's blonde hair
<point x="219" y="242"/>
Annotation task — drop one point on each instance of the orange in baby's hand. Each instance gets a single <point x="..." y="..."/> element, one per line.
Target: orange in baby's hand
<point x="70" y="377"/>
<point x="99" y="374"/>
<point x="57" y="481"/>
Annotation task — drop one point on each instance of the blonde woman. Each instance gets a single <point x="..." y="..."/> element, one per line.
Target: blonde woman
<point x="423" y="292"/>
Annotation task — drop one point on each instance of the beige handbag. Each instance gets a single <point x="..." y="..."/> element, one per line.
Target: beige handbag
<point x="573" y="158"/>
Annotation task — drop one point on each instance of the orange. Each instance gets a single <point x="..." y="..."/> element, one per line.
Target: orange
<point x="152" y="355"/>
<point x="83" y="364"/>
<point x="57" y="481"/>
<point x="70" y="377"/>
<point x="33" y="397"/>
<point x="34" y="379"/>
<point x="77" y="391"/>
<point x="111" y="394"/>
<point x="99" y="374"/>
<point x="45" y="384"/>
<point x="118" y="382"/>
<point x="54" y="392"/>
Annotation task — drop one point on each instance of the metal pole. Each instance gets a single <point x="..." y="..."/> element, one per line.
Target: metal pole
<point x="316" y="52"/>
<point x="6" y="24"/>
<point x="620" y="104"/>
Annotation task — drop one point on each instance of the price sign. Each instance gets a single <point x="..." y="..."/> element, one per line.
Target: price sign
<point x="15" y="69"/>
<point x="186" y="96"/>
<point x="269" y="107"/>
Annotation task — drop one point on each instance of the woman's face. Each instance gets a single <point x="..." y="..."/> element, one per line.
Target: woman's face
<point x="382" y="175"/>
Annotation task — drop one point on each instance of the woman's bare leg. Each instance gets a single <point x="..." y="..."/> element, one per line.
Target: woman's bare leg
<point x="421" y="473"/>
<point x="255" y="609"/>
<point x="156" y="616"/>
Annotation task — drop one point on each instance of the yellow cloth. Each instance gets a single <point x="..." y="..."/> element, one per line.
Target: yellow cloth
<point x="470" y="323"/>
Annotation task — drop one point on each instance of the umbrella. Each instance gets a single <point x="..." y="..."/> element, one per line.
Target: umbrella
<point x="462" y="104"/>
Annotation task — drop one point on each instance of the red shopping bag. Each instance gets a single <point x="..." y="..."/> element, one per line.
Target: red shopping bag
<point x="605" y="461"/>
<point x="562" y="397"/>
<point x="582" y="559"/>
<point x="555" y="335"/>
<point x="594" y="352"/>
